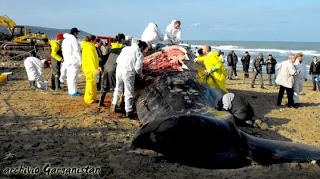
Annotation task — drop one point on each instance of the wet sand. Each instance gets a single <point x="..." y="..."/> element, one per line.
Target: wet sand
<point x="39" y="127"/>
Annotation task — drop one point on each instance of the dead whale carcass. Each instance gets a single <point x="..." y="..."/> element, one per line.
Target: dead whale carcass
<point x="180" y="121"/>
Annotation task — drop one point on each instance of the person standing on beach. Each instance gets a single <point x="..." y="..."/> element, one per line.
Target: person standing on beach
<point x="245" y="60"/>
<point x="221" y="56"/>
<point x="129" y="63"/>
<point x="232" y="61"/>
<point x="56" y="60"/>
<point x="215" y="72"/>
<point x="119" y="41"/>
<point x="98" y="44"/>
<point x="257" y="70"/>
<point x="173" y="33"/>
<point x="285" y="79"/>
<point x="108" y="82"/>
<point x="315" y="72"/>
<point x="271" y="69"/>
<point x="72" y="59"/>
<point x="299" y="78"/>
<point x="90" y="66"/>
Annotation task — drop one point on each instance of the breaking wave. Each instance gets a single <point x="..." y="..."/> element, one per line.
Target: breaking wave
<point x="257" y="50"/>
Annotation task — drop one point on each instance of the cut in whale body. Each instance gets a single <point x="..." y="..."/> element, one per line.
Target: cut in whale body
<point x="180" y="121"/>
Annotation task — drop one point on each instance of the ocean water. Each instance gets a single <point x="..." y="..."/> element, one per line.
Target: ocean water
<point x="279" y="50"/>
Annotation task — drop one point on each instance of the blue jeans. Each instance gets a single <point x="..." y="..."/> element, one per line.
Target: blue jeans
<point x="272" y="79"/>
<point x="255" y="74"/>
<point x="315" y="83"/>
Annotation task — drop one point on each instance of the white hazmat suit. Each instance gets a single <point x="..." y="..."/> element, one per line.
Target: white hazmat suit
<point x="72" y="60"/>
<point x="63" y="72"/>
<point x="129" y="63"/>
<point x="299" y="80"/>
<point x="172" y="35"/>
<point x="151" y="35"/>
<point x="34" y="67"/>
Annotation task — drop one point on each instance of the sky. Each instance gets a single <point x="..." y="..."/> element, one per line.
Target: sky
<point x="226" y="20"/>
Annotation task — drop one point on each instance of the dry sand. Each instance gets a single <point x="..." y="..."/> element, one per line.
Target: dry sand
<point x="38" y="127"/>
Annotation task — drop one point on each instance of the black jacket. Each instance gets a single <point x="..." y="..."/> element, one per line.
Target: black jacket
<point x="314" y="68"/>
<point x="245" y="60"/>
<point x="111" y="63"/>
<point x="241" y="109"/>
<point x="232" y="59"/>
<point x="99" y="56"/>
<point x="271" y="66"/>
<point x="257" y="64"/>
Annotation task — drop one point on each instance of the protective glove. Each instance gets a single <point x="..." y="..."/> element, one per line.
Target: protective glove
<point x="213" y="69"/>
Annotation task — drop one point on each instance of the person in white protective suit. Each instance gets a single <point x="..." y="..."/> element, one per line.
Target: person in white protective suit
<point x="299" y="78"/>
<point x="34" y="67"/>
<point x="72" y="60"/>
<point x="129" y="63"/>
<point x="152" y="35"/>
<point x="173" y="33"/>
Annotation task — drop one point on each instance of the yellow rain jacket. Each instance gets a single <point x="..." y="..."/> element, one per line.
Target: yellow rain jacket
<point x="217" y="76"/>
<point x="90" y="64"/>
<point x="55" y="47"/>
<point x="116" y="45"/>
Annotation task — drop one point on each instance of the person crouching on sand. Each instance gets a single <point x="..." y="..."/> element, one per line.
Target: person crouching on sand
<point x="241" y="110"/>
<point x="34" y="68"/>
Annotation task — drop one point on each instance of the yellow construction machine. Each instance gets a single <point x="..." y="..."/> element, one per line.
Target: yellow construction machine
<point x="18" y="42"/>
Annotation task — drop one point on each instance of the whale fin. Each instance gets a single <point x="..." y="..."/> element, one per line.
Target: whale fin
<point x="266" y="151"/>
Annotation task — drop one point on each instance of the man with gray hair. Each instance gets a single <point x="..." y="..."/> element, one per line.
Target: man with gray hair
<point x="285" y="79"/>
<point x="299" y="78"/>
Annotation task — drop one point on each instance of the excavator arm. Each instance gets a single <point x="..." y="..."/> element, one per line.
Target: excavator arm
<point x="7" y="22"/>
<point x="18" y="45"/>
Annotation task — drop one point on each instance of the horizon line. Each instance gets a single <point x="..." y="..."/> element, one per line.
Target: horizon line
<point x="254" y="41"/>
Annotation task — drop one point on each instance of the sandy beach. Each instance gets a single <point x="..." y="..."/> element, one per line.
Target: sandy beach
<point x="38" y="127"/>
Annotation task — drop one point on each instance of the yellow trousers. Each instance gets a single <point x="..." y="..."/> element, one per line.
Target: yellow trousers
<point x="90" y="94"/>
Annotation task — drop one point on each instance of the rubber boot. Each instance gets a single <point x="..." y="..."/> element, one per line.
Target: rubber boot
<point x="53" y="83"/>
<point x="57" y="83"/>
<point x="130" y="115"/>
<point x="32" y="84"/>
<point x="101" y="100"/>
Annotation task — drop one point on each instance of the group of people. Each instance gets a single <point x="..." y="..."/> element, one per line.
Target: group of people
<point x="114" y="68"/>
<point x="106" y="68"/>
<point x="215" y="76"/>
<point x="270" y="62"/>
<point x="291" y="76"/>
